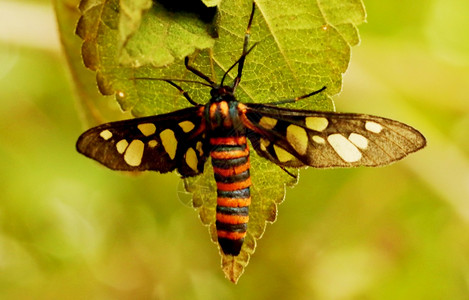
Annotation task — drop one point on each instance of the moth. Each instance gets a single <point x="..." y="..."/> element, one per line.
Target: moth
<point x="185" y="139"/>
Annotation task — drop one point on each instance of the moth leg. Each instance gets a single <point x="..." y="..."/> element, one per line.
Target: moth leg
<point x="198" y="73"/>
<point x="288" y="172"/>
<point x="184" y="93"/>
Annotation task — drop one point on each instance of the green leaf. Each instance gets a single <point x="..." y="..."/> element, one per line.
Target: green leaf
<point x="164" y="37"/>
<point x="90" y="101"/>
<point x="211" y="3"/>
<point x="130" y="17"/>
<point x="146" y="35"/>
<point x="302" y="46"/>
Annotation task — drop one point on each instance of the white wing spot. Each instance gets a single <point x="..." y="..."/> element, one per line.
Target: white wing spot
<point x="267" y="123"/>
<point x="199" y="148"/>
<point x="316" y="123"/>
<point x="298" y="138"/>
<point x="318" y="139"/>
<point x="358" y="140"/>
<point x="147" y="128"/>
<point x="152" y="143"/>
<point x="186" y="126"/>
<point x="264" y="144"/>
<point x="169" y="142"/>
<point x="344" y="148"/>
<point x="121" y="146"/>
<point x="191" y="159"/>
<point x="282" y="155"/>
<point x="106" y="134"/>
<point x="373" y="127"/>
<point x="134" y="153"/>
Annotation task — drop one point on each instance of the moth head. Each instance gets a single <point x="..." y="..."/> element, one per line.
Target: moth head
<point x="222" y="93"/>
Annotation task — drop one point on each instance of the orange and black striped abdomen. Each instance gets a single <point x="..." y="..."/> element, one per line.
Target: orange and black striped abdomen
<point x="230" y="161"/>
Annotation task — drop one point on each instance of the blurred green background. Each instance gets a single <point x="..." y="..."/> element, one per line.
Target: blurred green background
<point x="73" y="229"/>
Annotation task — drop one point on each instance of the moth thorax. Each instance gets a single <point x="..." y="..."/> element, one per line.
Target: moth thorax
<point x="223" y="115"/>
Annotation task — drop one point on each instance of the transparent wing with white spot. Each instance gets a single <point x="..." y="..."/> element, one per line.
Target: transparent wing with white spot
<point x="298" y="138"/>
<point x="160" y="143"/>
